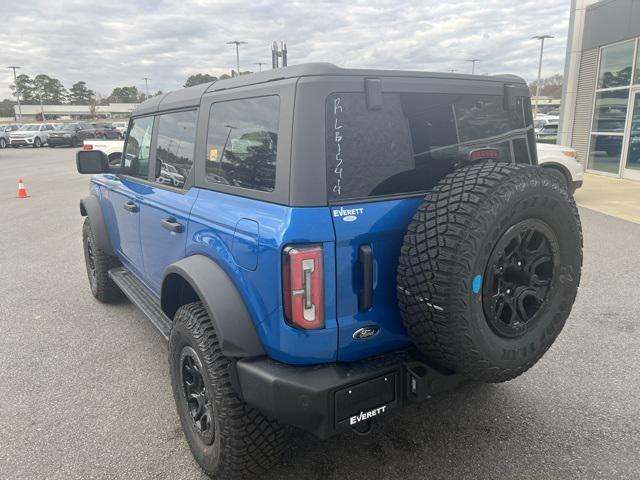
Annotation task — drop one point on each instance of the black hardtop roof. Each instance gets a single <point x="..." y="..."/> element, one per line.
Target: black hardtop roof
<point x="188" y="97"/>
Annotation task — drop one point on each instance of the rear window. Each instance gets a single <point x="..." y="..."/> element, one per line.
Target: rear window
<point x="416" y="139"/>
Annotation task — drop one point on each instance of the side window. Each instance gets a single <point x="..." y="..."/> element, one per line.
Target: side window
<point x="242" y="143"/>
<point x="174" y="150"/>
<point x="136" y="155"/>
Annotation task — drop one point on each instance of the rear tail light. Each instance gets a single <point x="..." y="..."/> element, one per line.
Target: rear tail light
<point x="483" y="154"/>
<point x="303" y="285"/>
<point x="87" y="147"/>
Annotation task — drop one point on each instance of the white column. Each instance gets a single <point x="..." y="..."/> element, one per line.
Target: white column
<point x="572" y="70"/>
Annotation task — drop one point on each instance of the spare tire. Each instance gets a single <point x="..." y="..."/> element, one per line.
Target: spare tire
<point x="489" y="269"/>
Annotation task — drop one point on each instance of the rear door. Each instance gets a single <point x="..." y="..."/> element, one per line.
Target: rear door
<point x="166" y="207"/>
<point x="380" y="163"/>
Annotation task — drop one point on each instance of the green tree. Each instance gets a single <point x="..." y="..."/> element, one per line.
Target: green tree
<point x="549" y="87"/>
<point x="51" y="89"/>
<point x="199" y="78"/>
<point x="124" y="95"/>
<point x="79" y="94"/>
<point x="26" y="88"/>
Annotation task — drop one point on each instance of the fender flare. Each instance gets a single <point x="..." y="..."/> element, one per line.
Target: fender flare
<point x="90" y="207"/>
<point x="227" y="310"/>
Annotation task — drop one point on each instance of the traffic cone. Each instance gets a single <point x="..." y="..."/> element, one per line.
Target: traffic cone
<point x="22" y="192"/>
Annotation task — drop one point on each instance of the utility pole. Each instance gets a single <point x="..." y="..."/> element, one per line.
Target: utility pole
<point x="15" y="82"/>
<point x="542" y="39"/>
<point x="40" y="96"/>
<point x="237" y="43"/>
<point x="473" y="65"/>
<point x="259" y="65"/>
<point x="146" y="85"/>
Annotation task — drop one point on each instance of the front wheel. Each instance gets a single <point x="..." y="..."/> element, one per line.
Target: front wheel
<point x="98" y="264"/>
<point x="226" y="436"/>
<point x="37" y="143"/>
<point x="3" y="143"/>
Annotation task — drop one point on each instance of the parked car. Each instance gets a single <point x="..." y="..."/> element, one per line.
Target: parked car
<point x="5" y="130"/>
<point x="345" y="243"/>
<point x="562" y="162"/>
<point x="106" y="131"/>
<point x="121" y="127"/>
<point x="34" y="134"/>
<point x="111" y="148"/>
<point x="548" y="133"/>
<point x="70" y="134"/>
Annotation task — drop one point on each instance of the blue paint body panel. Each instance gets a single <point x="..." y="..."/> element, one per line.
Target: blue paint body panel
<point x="382" y="226"/>
<point x="246" y="237"/>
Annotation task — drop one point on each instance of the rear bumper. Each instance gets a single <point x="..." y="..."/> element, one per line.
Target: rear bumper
<point x="327" y="399"/>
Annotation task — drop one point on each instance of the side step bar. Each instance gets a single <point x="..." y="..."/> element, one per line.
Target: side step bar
<point x="142" y="298"/>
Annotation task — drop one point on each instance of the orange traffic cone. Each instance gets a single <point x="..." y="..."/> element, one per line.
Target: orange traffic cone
<point x="22" y="192"/>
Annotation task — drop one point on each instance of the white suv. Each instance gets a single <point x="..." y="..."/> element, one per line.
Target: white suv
<point x="34" y="134"/>
<point x="563" y="163"/>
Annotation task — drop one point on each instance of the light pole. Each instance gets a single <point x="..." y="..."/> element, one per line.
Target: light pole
<point x="146" y="85"/>
<point x="15" y="82"/>
<point x="542" y="39"/>
<point x="237" y="43"/>
<point x="259" y="65"/>
<point x="473" y="65"/>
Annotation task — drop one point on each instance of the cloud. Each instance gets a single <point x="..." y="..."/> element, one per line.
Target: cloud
<point x="117" y="43"/>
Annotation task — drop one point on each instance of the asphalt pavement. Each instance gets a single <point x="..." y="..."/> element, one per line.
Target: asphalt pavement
<point x="84" y="387"/>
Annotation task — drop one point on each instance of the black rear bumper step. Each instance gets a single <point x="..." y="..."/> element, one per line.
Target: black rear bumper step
<point x="326" y="399"/>
<point x="142" y="298"/>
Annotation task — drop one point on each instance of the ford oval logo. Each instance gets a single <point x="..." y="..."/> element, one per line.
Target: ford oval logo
<point x="350" y="218"/>
<point x="366" y="332"/>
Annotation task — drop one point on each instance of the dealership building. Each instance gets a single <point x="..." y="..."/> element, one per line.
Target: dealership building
<point x="600" y="113"/>
<point x="31" y="113"/>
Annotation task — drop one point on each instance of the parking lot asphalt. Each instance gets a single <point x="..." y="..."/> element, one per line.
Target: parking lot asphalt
<point x="84" y="387"/>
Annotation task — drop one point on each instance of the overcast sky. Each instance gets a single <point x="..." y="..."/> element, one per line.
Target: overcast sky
<point x="116" y="43"/>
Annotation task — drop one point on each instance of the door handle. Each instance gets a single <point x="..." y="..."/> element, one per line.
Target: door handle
<point x="365" y="295"/>
<point x="131" y="207"/>
<point x="171" y="224"/>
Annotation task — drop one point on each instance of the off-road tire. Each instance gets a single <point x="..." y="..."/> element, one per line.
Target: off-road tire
<point x="444" y="261"/>
<point x="98" y="264"/>
<point x="245" y="443"/>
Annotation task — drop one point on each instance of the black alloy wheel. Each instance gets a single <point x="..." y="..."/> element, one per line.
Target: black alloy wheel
<point x="518" y="277"/>
<point x="196" y="396"/>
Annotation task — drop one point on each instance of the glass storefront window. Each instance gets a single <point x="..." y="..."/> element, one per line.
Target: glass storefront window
<point x="604" y="154"/>
<point x="610" y="111"/>
<point x="616" y="64"/>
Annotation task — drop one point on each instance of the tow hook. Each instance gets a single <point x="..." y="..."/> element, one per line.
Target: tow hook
<point x="363" y="428"/>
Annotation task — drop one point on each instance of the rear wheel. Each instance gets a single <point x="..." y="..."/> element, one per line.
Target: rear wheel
<point x="489" y="269"/>
<point x="227" y="437"/>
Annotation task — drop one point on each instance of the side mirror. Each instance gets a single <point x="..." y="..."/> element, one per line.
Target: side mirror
<point x="92" y="161"/>
<point x="509" y="98"/>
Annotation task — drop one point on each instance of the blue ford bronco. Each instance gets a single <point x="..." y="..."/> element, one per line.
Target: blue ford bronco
<point x="321" y="246"/>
